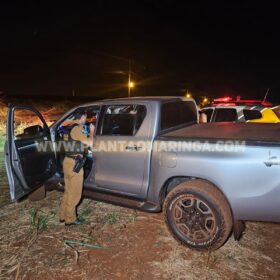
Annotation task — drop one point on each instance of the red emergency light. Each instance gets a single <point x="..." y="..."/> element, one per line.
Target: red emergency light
<point x="223" y="99"/>
<point x="229" y="101"/>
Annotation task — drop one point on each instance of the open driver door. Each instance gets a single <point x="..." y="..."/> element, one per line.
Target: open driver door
<point x="29" y="157"/>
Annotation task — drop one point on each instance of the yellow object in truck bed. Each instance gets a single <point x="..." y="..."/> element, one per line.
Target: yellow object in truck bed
<point x="268" y="116"/>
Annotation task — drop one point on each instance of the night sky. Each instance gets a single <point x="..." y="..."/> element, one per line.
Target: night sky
<point x="213" y="49"/>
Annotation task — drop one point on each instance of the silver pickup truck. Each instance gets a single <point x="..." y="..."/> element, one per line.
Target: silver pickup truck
<point x="150" y="153"/>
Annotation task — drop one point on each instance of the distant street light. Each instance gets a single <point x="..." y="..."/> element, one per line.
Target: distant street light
<point x="131" y="84"/>
<point x="188" y="94"/>
<point x="204" y="101"/>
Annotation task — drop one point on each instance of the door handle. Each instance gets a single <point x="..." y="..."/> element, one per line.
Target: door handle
<point x="133" y="148"/>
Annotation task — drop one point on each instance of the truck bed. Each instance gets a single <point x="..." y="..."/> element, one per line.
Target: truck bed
<point x="249" y="132"/>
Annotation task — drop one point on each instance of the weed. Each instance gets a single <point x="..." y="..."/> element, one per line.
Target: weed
<point x="111" y="218"/>
<point x="83" y="214"/>
<point x="134" y="215"/>
<point x="89" y="238"/>
<point x="2" y="139"/>
<point x="3" y="175"/>
<point x="38" y="222"/>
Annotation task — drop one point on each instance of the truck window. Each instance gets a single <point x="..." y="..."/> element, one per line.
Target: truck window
<point x="177" y="113"/>
<point x="24" y="119"/>
<point x="226" y="115"/>
<point x="251" y="114"/>
<point x="123" y="119"/>
<point x="92" y="115"/>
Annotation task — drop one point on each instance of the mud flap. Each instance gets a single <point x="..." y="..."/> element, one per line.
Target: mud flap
<point x="238" y="228"/>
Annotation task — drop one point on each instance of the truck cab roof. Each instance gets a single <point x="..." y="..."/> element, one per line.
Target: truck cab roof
<point x="148" y="98"/>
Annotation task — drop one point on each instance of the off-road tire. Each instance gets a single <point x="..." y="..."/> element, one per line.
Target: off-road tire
<point x="209" y="199"/>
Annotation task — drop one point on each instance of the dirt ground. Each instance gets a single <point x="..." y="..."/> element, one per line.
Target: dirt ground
<point x="120" y="243"/>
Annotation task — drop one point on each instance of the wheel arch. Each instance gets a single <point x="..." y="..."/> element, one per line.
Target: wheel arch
<point x="174" y="181"/>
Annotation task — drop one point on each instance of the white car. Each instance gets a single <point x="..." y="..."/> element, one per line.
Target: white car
<point x="228" y="110"/>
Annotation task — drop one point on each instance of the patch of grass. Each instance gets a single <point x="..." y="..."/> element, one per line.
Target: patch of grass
<point x="38" y="222"/>
<point x="134" y="215"/>
<point x="2" y="139"/>
<point x="83" y="214"/>
<point x="89" y="238"/>
<point x="111" y="218"/>
<point x="3" y="176"/>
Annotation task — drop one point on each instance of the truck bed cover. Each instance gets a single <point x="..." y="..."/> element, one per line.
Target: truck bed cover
<point x="255" y="132"/>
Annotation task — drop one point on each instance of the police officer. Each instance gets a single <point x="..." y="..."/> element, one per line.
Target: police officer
<point x="73" y="180"/>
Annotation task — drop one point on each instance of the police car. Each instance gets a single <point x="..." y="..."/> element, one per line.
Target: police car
<point x="228" y="109"/>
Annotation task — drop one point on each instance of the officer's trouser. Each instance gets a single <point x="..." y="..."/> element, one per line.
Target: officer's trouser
<point x="72" y="192"/>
